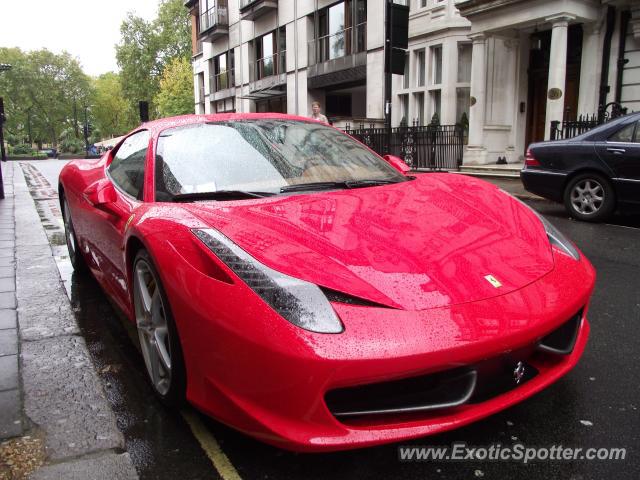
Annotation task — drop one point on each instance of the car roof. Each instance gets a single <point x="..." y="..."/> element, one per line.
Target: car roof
<point x="169" y="122"/>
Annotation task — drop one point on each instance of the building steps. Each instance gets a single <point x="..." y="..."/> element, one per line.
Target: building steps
<point x="511" y="170"/>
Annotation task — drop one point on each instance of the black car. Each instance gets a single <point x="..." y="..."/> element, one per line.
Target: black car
<point x="593" y="174"/>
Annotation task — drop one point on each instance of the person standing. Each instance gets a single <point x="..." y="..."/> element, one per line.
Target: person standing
<point x="317" y="114"/>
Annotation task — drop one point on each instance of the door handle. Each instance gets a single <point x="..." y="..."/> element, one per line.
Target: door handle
<point x="617" y="151"/>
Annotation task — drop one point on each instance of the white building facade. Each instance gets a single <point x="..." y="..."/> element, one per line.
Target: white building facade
<point x="505" y="68"/>
<point x="539" y="61"/>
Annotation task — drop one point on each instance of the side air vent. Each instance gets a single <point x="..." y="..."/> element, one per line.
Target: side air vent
<point x="562" y="340"/>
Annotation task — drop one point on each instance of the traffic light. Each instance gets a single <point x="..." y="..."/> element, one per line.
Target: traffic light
<point x="2" y="117"/>
<point x="144" y="111"/>
<point x="398" y="34"/>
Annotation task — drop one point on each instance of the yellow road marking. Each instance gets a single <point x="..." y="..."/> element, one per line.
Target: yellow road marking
<point x="211" y="447"/>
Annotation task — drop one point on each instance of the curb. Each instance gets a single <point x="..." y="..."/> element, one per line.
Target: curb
<point x="63" y="399"/>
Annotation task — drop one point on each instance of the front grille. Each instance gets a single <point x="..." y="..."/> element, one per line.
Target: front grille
<point x="428" y="392"/>
<point x="453" y="387"/>
<point x="436" y="391"/>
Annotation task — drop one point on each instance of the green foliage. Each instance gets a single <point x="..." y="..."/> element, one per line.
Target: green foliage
<point x="146" y="48"/>
<point x="464" y="121"/>
<point x="43" y="92"/>
<point x="435" y="120"/>
<point x="22" y="149"/>
<point x="111" y="112"/>
<point x="176" y="89"/>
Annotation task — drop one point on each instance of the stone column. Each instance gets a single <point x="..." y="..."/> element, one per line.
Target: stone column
<point x="476" y="152"/>
<point x="590" y="69"/>
<point x="557" y="71"/>
<point x="449" y="79"/>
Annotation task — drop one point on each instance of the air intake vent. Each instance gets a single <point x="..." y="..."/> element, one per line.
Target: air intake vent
<point x="562" y="340"/>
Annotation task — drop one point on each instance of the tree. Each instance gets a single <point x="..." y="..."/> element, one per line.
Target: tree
<point x="44" y="93"/>
<point x="146" y="48"/>
<point x="176" y="89"/>
<point x="112" y="114"/>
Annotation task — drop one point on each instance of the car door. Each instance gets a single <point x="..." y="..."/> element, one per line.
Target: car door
<point x="126" y="171"/>
<point x="621" y="152"/>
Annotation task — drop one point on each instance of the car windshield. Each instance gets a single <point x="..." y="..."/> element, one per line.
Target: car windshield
<point x="268" y="156"/>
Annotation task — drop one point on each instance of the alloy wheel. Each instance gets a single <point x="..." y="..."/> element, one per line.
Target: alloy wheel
<point x="587" y="196"/>
<point x="153" y="329"/>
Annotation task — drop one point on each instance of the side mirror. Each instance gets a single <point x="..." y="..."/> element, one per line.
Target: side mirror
<point x="397" y="163"/>
<point x="102" y="195"/>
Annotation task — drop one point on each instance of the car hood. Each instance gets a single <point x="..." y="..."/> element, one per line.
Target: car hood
<point x="438" y="240"/>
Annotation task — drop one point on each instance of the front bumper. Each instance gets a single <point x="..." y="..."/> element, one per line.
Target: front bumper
<point x="252" y="370"/>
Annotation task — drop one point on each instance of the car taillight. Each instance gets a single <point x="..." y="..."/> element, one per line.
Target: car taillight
<point x="530" y="160"/>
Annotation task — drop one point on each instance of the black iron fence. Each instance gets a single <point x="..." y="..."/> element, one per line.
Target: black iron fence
<point x="573" y="128"/>
<point x="433" y="147"/>
<point x="584" y="123"/>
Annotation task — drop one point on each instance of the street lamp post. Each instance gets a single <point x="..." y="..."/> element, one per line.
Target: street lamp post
<point x="3" y="68"/>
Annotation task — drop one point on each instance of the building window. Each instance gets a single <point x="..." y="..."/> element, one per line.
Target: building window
<point x="420" y="68"/>
<point x="341" y="30"/>
<point x="339" y="105"/>
<point x="404" y="110"/>
<point x="419" y="103"/>
<point x="463" y="98"/>
<point x="226" y="106"/>
<point x="464" y="62"/>
<point x="223" y="71"/>
<point x="272" y="105"/>
<point x="271" y="54"/>
<point x="201" y="89"/>
<point x="436" y="107"/>
<point x="436" y="65"/>
<point x="405" y="77"/>
<point x="212" y="13"/>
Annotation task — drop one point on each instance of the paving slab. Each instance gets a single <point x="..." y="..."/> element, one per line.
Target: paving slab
<point x="107" y="467"/>
<point x="6" y="272"/>
<point x="8" y="372"/>
<point x="8" y="300"/>
<point x="7" y="284"/>
<point x="8" y="342"/>
<point x="8" y="319"/>
<point x="10" y="415"/>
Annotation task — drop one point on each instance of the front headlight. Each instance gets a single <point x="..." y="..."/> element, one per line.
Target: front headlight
<point x="301" y="303"/>
<point x="556" y="237"/>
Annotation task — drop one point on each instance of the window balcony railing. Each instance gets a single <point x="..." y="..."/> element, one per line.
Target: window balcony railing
<point x="218" y="15"/>
<point x="223" y="80"/>
<point x="252" y="9"/>
<point x="268" y="66"/>
<point x="340" y="44"/>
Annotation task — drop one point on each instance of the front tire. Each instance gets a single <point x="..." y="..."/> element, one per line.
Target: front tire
<point x="157" y="333"/>
<point x="589" y="197"/>
<point x="75" y="255"/>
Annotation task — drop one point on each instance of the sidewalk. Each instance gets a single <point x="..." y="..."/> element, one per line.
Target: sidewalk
<point x="50" y="393"/>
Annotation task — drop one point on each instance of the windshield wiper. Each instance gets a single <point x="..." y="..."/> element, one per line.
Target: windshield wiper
<point x="302" y="187"/>
<point x="219" y="195"/>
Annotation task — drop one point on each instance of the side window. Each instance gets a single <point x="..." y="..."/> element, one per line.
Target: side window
<point x="127" y="167"/>
<point x="626" y="134"/>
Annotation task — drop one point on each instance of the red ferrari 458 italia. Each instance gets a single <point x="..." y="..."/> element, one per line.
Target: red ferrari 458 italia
<point x="291" y="283"/>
